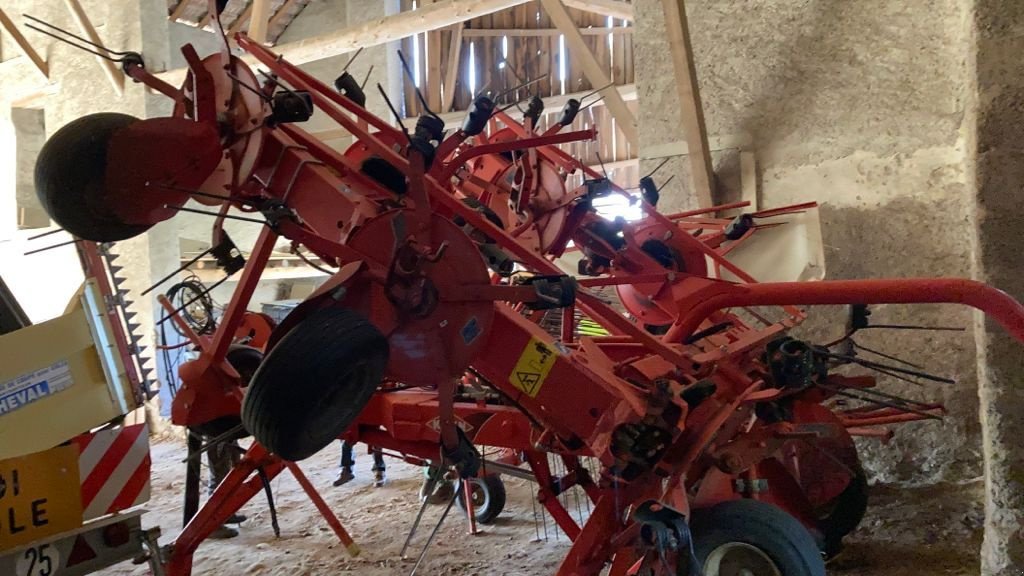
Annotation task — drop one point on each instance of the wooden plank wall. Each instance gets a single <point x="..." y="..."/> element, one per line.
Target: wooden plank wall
<point x="531" y="57"/>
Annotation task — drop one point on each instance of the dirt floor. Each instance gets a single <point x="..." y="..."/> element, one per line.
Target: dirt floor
<point x="921" y="532"/>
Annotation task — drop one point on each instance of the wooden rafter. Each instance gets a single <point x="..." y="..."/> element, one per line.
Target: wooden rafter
<point x="241" y="20"/>
<point x="109" y="68"/>
<point x="592" y="69"/>
<point x="281" y="13"/>
<point x="377" y="31"/>
<point x="24" y="45"/>
<point x="691" y="111"/>
<point x="259" y="20"/>
<point x="178" y="10"/>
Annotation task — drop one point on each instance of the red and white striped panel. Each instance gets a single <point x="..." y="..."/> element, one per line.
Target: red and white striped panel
<point x="113" y="467"/>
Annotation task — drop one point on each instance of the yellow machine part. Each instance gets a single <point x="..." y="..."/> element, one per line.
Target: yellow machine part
<point x="61" y="378"/>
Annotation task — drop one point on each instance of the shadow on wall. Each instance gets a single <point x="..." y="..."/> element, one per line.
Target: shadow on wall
<point x="931" y="451"/>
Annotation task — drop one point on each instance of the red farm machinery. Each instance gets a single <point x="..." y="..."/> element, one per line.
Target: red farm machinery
<point x="715" y="435"/>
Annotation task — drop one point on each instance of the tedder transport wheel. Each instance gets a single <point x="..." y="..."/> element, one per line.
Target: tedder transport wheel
<point x="71" y="175"/>
<point x="315" y="382"/>
<point x="245" y="360"/>
<point x="488" y="495"/>
<point x="751" y="538"/>
<point x="845" y="513"/>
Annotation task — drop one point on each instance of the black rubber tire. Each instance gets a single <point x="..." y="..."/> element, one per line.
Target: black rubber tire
<point x="845" y="513"/>
<point x="245" y="360"/>
<point x="70" y="178"/>
<point x="767" y="528"/>
<point x="315" y="382"/>
<point x="493" y="489"/>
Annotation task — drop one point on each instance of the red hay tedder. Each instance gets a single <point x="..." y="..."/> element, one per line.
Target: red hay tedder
<point x="718" y="442"/>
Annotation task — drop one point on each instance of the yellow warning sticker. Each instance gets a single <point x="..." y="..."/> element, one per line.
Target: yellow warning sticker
<point x="533" y="367"/>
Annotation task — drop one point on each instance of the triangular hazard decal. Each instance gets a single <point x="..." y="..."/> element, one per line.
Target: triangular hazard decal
<point x="528" y="381"/>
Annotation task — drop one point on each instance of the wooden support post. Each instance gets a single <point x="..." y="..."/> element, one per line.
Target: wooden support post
<point x="111" y="70"/>
<point x="260" y="19"/>
<point x="691" y="111"/>
<point x="24" y="46"/>
<point x="433" y="83"/>
<point x="452" y="73"/>
<point x="592" y="69"/>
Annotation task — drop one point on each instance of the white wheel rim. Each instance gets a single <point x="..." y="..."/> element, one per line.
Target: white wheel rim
<point x="739" y="559"/>
<point x="478" y="494"/>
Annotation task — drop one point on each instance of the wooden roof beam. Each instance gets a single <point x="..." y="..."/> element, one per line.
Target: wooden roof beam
<point x="24" y="45"/>
<point x="111" y="70"/>
<point x="614" y="8"/>
<point x="595" y="72"/>
<point x="242" y="18"/>
<point x="281" y="13"/>
<point x="374" y="32"/>
<point x="179" y="10"/>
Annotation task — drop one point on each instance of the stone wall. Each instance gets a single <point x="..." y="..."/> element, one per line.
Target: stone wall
<point x="76" y="86"/>
<point x="860" y="106"/>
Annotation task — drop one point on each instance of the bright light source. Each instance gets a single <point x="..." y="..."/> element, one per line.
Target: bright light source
<point x="472" y="68"/>
<point x="562" y="57"/>
<point x="615" y="205"/>
<point x="611" y="46"/>
<point x="504" y="47"/>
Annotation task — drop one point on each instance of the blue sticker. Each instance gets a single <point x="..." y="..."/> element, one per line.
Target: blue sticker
<point x="470" y="331"/>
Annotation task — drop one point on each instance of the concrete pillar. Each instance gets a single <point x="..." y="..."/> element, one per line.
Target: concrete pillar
<point x="999" y="37"/>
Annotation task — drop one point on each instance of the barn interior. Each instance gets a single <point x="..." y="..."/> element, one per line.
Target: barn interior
<point x="887" y="134"/>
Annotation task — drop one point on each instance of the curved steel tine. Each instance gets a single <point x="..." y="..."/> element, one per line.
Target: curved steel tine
<point x="73" y="35"/>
